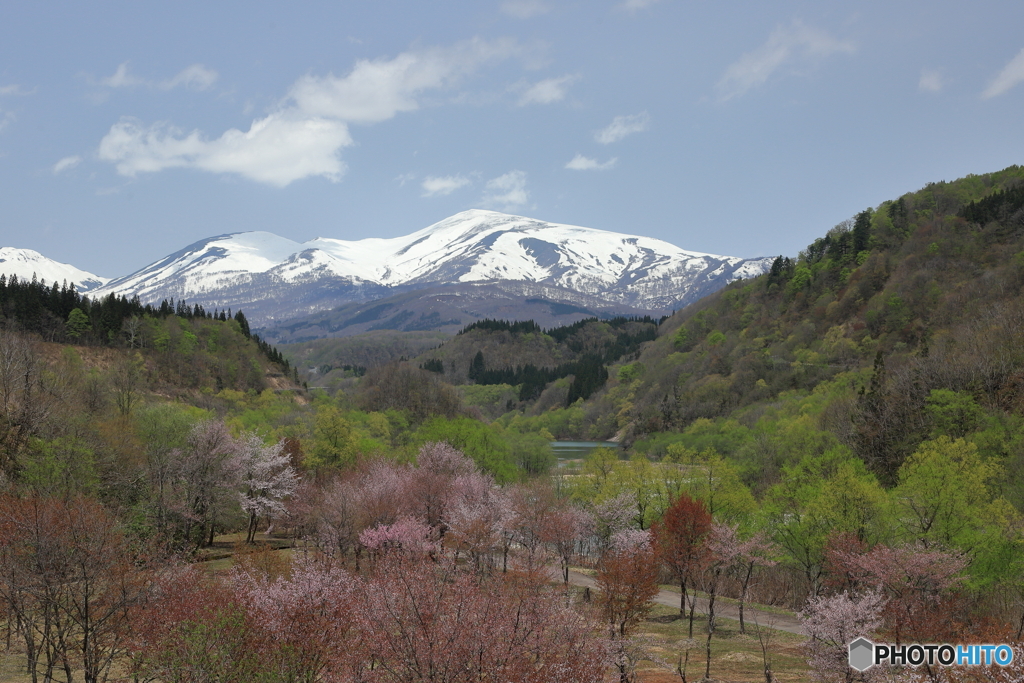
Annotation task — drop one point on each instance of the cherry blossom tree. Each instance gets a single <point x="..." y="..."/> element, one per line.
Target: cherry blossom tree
<point x="305" y="621"/>
<point x="612" y="516"/>
<point x="917" y="583"/>
<point x="204" y="480"/>
<point x="756" y="551"/>
<point x="430" y="482"/>
<point x="723" y="551"/>
<point x="833" y="622"/>
<point x="433" y="622"/>
<point x="473" y="518"/>
<point x="567" y="528"/>
<point x="407" y="535"/>
<point x="531" y="508"/>
<point x="266" y="478"/>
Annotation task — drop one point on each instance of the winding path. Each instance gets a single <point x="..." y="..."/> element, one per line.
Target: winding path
<point x="729" y="610"/>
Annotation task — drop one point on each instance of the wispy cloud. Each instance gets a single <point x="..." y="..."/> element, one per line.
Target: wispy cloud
<point x="582" y="163"/>
<point x="122" y="79"/>
<point x="546" y="91"/>
<point x="304" y="136"/>
<point x="507" y="191"/>
<point x="66" y="163"/>
<point x="1011" y="75"/>
<point x="525" y="9"/>
<point x="621" y="126"/>
<point x="931" y="81"/>
<point x="796" y="45"/>
<point x="634" y="5"/>
<point x="434" y="186"/>
<point x="14" y="89"/>
<point x="196" y="77"/>
<point x="379" y="89"/>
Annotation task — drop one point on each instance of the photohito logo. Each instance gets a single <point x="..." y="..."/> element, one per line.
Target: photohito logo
<point x="864" y="654"/>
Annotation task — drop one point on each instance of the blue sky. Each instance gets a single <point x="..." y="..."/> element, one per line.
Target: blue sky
<point x="129" y="130"/>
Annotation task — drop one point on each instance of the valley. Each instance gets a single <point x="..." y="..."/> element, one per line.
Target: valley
<point x="836" y="437"/>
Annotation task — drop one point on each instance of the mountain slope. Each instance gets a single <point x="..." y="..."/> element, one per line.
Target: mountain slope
<point x="277" y="279"/>
<point x="901" y="324"/>
<point x="449" y="308"/>
<point x="26" y="264"/>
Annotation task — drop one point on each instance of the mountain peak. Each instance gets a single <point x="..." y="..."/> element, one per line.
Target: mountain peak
<point x="26" y="263"/>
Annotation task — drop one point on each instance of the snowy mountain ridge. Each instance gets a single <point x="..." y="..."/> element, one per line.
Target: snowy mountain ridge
<point x="26" y="264"/>
<point x="275" y="277"/>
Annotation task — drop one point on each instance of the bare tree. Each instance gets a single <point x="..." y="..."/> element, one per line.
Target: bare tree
<point x="127" y="379"/>
<point x="28" y="396"/>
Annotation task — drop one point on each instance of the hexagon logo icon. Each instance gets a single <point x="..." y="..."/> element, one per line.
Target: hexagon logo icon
<point x="862" y="654"/>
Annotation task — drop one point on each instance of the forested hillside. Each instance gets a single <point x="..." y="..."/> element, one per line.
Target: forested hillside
<point x="899" y="325"/>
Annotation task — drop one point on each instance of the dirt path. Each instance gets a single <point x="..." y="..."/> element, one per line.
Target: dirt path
<point x="782" y="622"/>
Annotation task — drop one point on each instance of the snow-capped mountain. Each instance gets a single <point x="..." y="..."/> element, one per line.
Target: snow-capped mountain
<point x="27" y="264"/>
<point x="275" y="278"/>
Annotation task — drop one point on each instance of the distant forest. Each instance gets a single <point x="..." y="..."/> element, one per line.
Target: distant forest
<point x="61" y="314"/>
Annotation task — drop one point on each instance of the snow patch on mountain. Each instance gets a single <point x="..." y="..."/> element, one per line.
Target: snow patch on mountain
<point x="26" y="264"/>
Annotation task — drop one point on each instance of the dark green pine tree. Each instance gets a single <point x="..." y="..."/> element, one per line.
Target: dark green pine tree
<point x="476" y="368"/>
<point x="243" y="323"/>
<point x="861" y="231"/>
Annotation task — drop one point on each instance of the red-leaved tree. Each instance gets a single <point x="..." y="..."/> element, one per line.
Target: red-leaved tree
<point x="680" y="541"/>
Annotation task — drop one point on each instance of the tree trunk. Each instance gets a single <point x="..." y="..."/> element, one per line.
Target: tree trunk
<point x="711" y="621"/>
<point x="250" y="536"/>
<point x="693" y="607"/>
<point x="743" y="595"/>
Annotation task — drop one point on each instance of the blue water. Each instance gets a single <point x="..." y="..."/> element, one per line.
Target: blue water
<point x="571" y="450"/>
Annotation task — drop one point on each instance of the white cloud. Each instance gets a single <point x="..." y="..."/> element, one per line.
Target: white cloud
<point x="794" y="44"/>
<point x="13" y="90"/>
<point x="197" y="77"/>
<point x="582" y="163"/>
<point x="6" y="117"/>
<point x="524" y="9"/>
<point x="621" y="126"/>
<point x="66" y="163"/>
<point x="440" y="186"/>
<point x="931" y="81"/>
<point x="377" y="90"/>
<point x="1011" y="75"/>
<point x="121" y="78"/>
<point x="305" y="135"/>
<point x="507" y="191"/>
<point x="547" y="91"/>
<point x="634" y="5"/>
<point x="276" y="150"/>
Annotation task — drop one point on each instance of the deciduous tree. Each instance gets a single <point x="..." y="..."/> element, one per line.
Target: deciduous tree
<point x="680" y="541"/>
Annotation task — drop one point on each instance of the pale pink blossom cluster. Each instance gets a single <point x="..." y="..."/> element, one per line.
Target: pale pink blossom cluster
<point x="833" y="622"/>
<point x="444" y="501"/>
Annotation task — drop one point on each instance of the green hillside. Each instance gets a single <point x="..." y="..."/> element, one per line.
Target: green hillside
<point x="896" y="326"/>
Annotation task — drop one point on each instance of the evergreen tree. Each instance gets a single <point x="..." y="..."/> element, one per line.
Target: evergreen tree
<point x="476" y="368"/>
